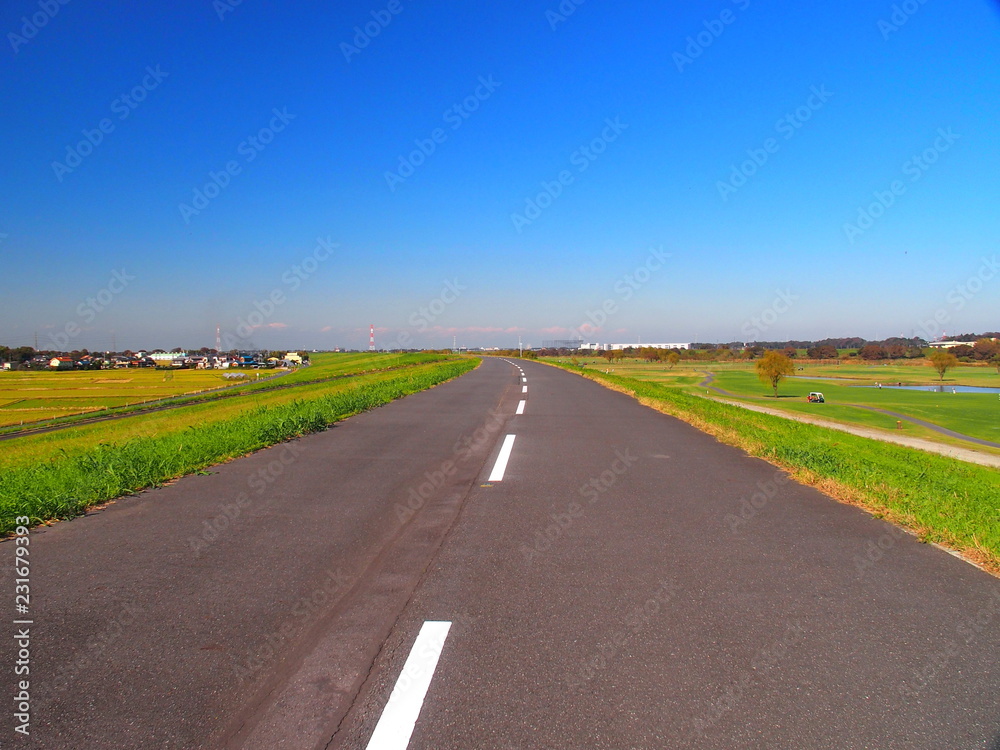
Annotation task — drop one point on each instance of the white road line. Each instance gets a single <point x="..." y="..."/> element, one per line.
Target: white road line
<point x="400" y="715"/>
<point x="524" y="380"/>
<point x="501" y="465"/>
<point x="520" y="408"/>
<point x="524" y="389"/>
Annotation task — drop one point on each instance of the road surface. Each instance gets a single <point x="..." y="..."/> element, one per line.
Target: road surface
<point x="609" y="577"/>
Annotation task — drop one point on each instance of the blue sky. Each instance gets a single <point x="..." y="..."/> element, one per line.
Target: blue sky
<point x="520" y="213"/>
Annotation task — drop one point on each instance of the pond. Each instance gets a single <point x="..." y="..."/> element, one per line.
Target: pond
<point x="941" y="388"/>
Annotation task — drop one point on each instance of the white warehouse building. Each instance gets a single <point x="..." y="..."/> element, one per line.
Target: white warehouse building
<point x="618" y="347"/>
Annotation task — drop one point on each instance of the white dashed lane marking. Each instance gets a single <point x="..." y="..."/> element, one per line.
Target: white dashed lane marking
<point x="501" y="465"/>
<point x="400" y="715"/>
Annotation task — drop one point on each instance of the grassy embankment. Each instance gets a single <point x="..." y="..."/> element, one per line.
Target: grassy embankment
<point x="61" y="474"/>
<point x="42" y="398"/>
<point x="943" y="500"/>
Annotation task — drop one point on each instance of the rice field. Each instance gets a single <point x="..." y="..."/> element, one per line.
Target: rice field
<point x="30" y="396"/>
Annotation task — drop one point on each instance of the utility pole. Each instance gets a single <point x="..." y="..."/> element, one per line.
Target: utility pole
<point x="520" y="352"/>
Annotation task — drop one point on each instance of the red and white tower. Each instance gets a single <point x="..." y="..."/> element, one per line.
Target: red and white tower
<point x="371" y="339"/>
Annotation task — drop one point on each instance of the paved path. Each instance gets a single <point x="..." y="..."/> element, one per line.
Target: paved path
<point x="625" y="582"/>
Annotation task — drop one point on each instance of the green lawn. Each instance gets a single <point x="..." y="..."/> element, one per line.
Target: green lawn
<point x="975" y="414"/>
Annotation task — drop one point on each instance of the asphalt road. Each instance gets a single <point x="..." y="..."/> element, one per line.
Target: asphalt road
<point x="628" y="583"/>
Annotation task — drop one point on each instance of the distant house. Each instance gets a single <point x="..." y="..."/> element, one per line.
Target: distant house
<point x="166" y="358"/>
<point x="293" y="358"/>
<point x="4" y="365"/>
<point x="90" y="363"/>
<point x="61" y="363"/>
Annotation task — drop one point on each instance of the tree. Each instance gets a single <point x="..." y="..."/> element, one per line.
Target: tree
<point x="986" y="349"/>
<point x="673" y="358"/>
<point x="825" y="351"/>
<point x="871" y="351"/>
<point x="773" y="367"/>
<point x="943" y="361"/>
<point x="790" y="351"/>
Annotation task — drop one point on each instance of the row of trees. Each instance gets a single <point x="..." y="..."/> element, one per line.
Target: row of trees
<point x="773" y="367"/>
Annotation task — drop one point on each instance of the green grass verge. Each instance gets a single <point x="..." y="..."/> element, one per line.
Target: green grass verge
<point x="943" y="500"/>
<point x="67" y="486"/>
